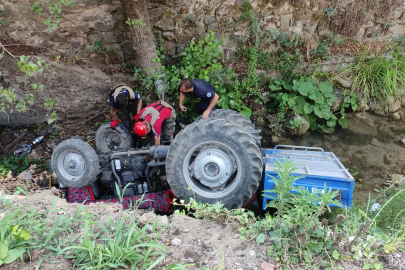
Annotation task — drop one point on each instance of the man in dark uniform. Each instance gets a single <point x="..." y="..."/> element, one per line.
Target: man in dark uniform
<point x="201" y="90"/>
<point x="123" y="100"/>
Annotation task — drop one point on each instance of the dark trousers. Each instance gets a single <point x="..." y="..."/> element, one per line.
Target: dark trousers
<point x="168" y="127"/>
<point x="202" y="105"/>
<point x="123" y="114"/>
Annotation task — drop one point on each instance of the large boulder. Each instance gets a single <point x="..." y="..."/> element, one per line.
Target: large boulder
<point x="296" y="125"/>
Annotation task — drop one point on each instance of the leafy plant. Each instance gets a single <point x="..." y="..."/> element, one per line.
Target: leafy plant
<point x="99" y="47"/>
<point x="36" y="7"/>
<point x="297" y="233"/>
<point x="203" y="60"/>
<point x="330" y="11"/>
<point x="321" y="52"/>
<point x="135" y="23"/>
<point x="12" y="243"/>
<point x="309" y="98"/>
<point x="14" y="164"/>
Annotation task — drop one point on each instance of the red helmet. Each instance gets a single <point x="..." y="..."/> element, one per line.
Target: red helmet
<point x="141" y="129"/>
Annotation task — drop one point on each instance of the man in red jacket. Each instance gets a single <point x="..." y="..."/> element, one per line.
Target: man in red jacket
<point x="160" y="118"/>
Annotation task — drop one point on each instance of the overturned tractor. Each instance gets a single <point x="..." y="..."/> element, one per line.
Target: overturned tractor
<point x="212" y="160"/>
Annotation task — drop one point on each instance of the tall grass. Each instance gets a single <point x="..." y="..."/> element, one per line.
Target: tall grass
<point x="377" y="77"/>
<point x="100" y="245"/>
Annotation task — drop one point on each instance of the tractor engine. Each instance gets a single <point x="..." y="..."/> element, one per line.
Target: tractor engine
<point x="135" y="171"/>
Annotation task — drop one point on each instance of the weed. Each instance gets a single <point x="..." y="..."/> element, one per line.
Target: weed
<point x="377" y="77"/>
<point x="14" y="164"/>
<point x="400" y="40"/>
<point x="122" y="246"/>
<point x="135" y="23"/>
<point x="99" y="47"/>
<point x="330" y="11"/>
<point x="321" y="52"/>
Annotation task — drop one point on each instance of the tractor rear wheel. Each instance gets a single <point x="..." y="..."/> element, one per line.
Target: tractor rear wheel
<point x="214" y="161"/>
<point x="237" y="119"/>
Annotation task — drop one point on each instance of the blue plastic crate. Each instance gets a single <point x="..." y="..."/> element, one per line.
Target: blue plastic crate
<point x="315" y="166"/>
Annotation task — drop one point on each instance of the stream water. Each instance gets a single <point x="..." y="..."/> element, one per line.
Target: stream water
<point x="370" y="148"/>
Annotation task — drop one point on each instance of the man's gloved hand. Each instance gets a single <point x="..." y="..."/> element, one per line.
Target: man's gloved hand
<point x="136" y="117"/>
<point x="113" y="124"/>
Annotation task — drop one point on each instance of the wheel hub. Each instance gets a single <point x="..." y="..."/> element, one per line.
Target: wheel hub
<point x="74" y="164"/>
<point x="213" y="167"/>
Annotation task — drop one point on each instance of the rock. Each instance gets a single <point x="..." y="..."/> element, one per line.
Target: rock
<point x="387" y="159"/>
<point x="168" y="35"/>
<point x="397" y="178"/>
<point x="152" y="217"/>
<point x="176" y="242"/>
<point x="165" y="24"/>
<point x="209" y="20"/>
<point x="25" y="175"/>
<point x="376" y="142"/>
<point x="338" y="93"/>
<point x="397" y="115"/>
<point x="260" y="121"/>
<point x="300" y="129"/>
<point x="275" y="139"/>
<point x="55" y="191"/>
<point x="15" y="197"/>
<point x="377" y="107"/>
<point x="285" y="21"/>
<point x="266" y="266"/>
<point x="344" y="82"/>
<point x="393" y="105"/>
<point x="252" y="253"/>
<point x="155" y="12"/>
<point x="266" y="98"/>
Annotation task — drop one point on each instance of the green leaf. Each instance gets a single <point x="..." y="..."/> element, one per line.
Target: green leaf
<point x="24" y="235"/>
<point x="336" y="254"/>
<point x="14" y="254"/>
<point x="308" y="108"/>
<point x="305" y="89"/>
<point x="3" y="250"/>
<point x="331" y="122"/>
<point x="343" y="122"/>
<point x="261" y="238"/>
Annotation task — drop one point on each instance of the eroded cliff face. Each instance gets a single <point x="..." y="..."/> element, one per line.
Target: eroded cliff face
<point x="95" y="34"/>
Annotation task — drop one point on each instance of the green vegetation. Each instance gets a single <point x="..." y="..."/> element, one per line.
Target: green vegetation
<point x="377" y="77"/>
<point x="203" y="60"/>
<point x="135" y="23"/>
<point x="99" y="47"/>
<point x="107" y="244"/>
<point x="54" y="8"/>
<point x="307" y="232"/>
<point x="14" y="164"/>
<point x="309" y="98"/>
<point x="13" y="243"/>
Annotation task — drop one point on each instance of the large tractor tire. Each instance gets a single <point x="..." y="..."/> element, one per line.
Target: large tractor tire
<point x="237" y="119"/>
<point x="75" y="163"/>
<point x="108" y="139"/>
<point x="214" y="161"/>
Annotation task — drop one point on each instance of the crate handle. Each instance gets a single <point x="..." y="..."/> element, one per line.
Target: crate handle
<point x="301" y="147"/>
